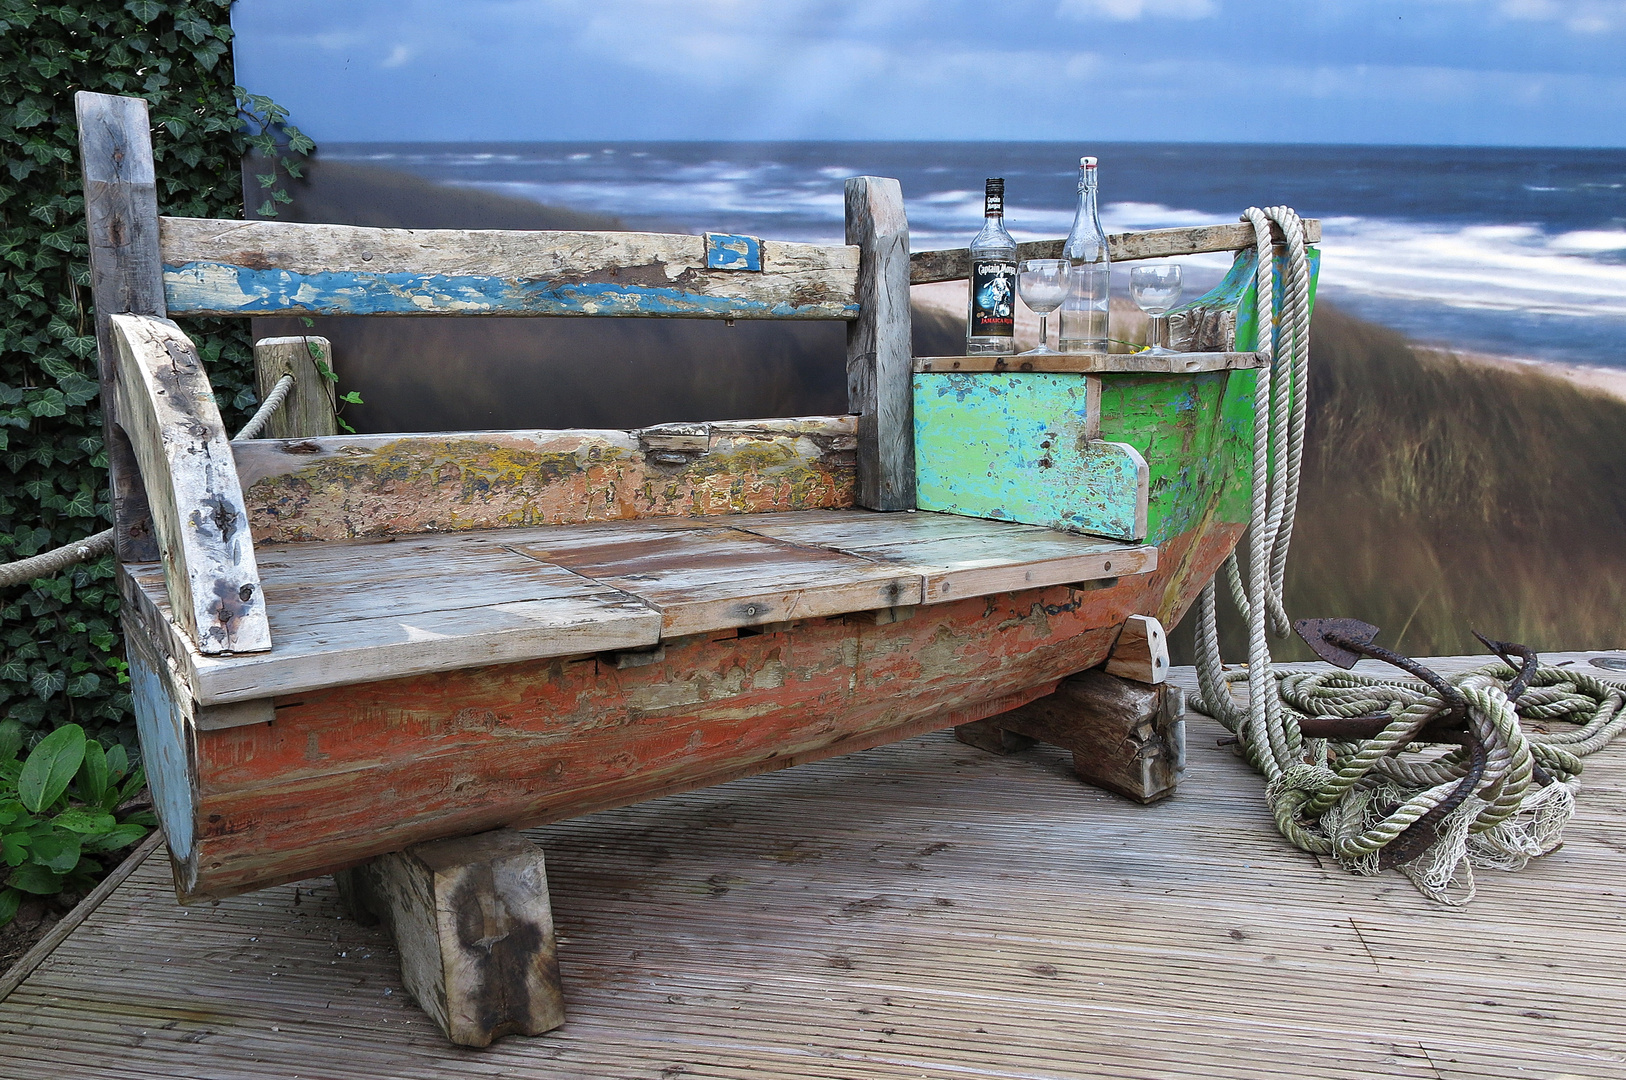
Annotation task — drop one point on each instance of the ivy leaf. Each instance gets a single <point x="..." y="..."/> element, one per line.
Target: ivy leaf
<point x="145" y="10"/>
<point x="51" y="765"/>
<point x="30" y="113"/>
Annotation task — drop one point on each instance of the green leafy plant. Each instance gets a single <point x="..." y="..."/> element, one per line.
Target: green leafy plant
<point x="60" y="657"/>
<point x="62" y="809"/>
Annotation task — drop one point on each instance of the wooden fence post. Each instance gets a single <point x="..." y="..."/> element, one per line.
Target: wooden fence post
<point x="311" y="406"/>
<point x="879" y="377"/>
<point x="126" y="277"/>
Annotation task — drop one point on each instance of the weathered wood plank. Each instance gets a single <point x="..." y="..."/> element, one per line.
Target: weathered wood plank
<point x="1124" y="735"/>
<point x="348" y="773"/>
<point x="954" y="264"/>
<point x="1141" y="652"/>
<point x="310" y="408"/>
<point x="1023" y="447"/>
<point x="261" y="268"/>
<point x="169" y="412"/>
<point x="351" y="486"/>
<point x="954" y="560"/>
<point x="474" y="931"/>
<point x="718" y="578"/>
<point x="343" y="614"/>
<point x="126" y="275"/>
<point x="1093" y="363"/>
<point x="878" y="345"/>
<point x="356" y="611"/>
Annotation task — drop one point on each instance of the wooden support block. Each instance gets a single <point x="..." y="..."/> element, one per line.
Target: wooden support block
<point x="311" y="408"/>
<point x="474" y="928"/>
<point x="1125" y="736"/>
<point x="1141" y="652"/>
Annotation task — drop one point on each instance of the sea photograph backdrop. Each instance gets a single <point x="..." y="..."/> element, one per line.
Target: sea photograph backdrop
<point x="1466" y="462"/>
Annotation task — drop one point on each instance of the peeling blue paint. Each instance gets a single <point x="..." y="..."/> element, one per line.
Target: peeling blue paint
<point x="218" y="287"/>
<point x="162" y="731"/>
<point x="726" y="251"/>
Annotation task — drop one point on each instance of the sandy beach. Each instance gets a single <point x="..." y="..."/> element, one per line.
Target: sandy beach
<point x="1129" y="323"/>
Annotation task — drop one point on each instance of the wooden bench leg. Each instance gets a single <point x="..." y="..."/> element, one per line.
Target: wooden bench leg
<point x="474" y="928"/>
<point x="1126" y="736"/>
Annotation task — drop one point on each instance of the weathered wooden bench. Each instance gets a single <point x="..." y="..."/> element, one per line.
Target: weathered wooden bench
<point x="375" y="655"/>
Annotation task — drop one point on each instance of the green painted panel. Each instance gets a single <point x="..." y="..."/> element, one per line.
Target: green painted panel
<point x="1012" y="446"/>
<point x="1196" y="434"/>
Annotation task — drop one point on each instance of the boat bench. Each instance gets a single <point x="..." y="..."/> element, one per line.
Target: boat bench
<point x="377" y="655"/>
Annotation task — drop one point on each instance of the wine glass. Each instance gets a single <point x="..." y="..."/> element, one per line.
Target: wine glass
<point x="1043" y="285"/>
<point x="1155" y="289"/>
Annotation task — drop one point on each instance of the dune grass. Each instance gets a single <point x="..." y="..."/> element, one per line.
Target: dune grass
<point x="1442" y="496"/>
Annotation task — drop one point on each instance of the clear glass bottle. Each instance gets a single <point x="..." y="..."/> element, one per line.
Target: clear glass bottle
<point x="990" y="326"/>
<point x="1089" y="298"/>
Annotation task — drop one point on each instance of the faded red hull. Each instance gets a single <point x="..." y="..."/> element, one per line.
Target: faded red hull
<point x="346" y="774"/>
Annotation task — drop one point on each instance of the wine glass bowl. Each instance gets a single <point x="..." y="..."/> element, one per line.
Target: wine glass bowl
<point x="1043" y="286"/>
<point x="1155" y="289"/>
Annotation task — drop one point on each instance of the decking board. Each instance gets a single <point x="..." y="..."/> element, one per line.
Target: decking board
<point x="918" y="909"/>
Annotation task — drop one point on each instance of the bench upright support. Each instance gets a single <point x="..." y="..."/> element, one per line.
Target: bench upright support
<point x="126" y="277"/>
<point x="879" y="357"/>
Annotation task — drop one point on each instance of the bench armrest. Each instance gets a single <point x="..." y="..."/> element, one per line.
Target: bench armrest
<point x="167" y="409"/>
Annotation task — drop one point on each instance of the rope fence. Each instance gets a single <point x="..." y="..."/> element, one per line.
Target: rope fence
<point x="95" y="546"/>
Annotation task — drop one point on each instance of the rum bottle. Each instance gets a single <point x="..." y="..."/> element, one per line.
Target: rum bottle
<point x="991" y="321"/>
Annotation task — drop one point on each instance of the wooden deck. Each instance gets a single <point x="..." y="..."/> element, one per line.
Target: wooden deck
<point x="922" y="909"/>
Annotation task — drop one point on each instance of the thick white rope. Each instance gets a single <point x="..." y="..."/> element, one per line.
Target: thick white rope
<point x="1352" y="799"/>
<point x="96" y="545"/>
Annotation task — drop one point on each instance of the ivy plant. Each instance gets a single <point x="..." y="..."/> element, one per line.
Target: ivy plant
<point x="63" y="809"/>
<point x="60" y="653"/>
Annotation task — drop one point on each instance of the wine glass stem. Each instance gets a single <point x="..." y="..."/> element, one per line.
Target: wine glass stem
<point x="1159" y="331"/>
<point x="1043" y="334"/>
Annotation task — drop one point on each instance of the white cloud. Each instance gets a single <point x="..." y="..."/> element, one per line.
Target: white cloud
<point x="398" y="56"/>
<point x="1134" y="10"/>
<point x="1579" y="16"/>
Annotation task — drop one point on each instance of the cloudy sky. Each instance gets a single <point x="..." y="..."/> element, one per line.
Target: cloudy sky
<point x="1475" y="72"/>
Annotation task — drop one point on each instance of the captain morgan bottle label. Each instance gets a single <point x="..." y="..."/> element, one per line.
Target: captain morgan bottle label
<point x="993" y="273"/>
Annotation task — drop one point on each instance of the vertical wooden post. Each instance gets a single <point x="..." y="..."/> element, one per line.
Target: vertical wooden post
<point x="311" y="406"/>
<point x="474" y="928"/>
<point x="126" y="277"/>
<point x="879" y="380"/>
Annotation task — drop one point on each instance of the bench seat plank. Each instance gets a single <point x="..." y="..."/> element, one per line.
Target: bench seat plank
<point x="355" y="611"/>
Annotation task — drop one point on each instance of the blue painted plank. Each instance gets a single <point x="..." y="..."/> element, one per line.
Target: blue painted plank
<point x="1015" y="446"/>
<point x="727" y="251"/>
<point x="219" y="288"/>
<point x="164" y="752"/>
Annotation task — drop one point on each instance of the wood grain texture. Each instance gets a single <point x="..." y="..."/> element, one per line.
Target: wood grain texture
<point x="358" y="611"/>
<point x="168" y="410"/>
<point x="350" y="613"/>
<point x="290" y="268"/>
<point x="955" y="263"/>
<point x="878" y="345"/>
<point x="1124" y="735"/>
<point x="474" y="931"/>
<point x="1023" y="447"/>
<point x="351" y="486"/>
<point x="310" y="409"/>
<point x="126" y="275"/>
<point x="860" y="918"/>
<point x="1141" y="652"/>
<point x="345" y="774"/>
<point x="1093" y="363"/>
<point x="959" y="556"/>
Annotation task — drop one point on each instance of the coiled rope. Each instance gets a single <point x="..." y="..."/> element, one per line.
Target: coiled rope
<point x="1352" y="799"/>
<point x="98" y="544"/>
